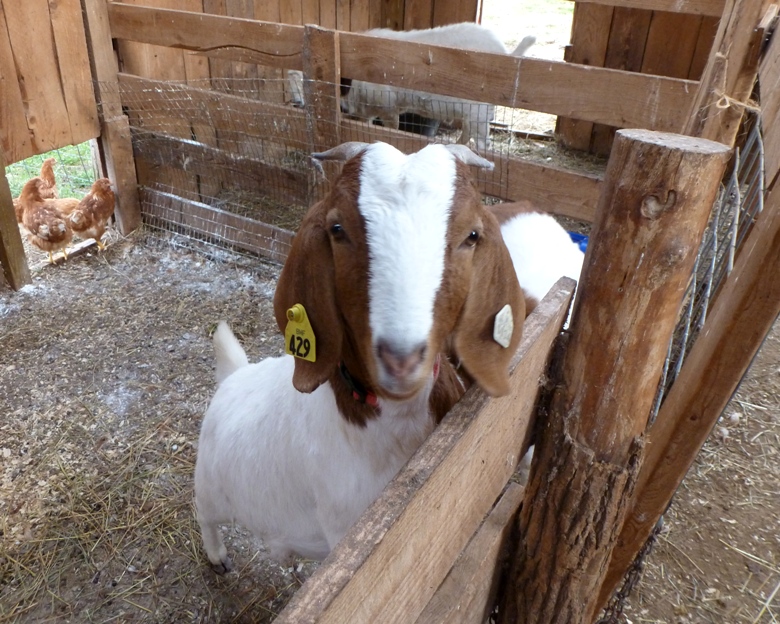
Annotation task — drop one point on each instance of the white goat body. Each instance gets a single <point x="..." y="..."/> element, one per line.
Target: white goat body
<point x="399" y="262"/>
<point x="368" y="100"/>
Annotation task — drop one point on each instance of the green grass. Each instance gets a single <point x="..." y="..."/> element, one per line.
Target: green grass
<point x="73" y="170"/>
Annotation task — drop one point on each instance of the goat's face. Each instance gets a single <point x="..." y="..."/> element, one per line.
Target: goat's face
<point x="397" y="259"/>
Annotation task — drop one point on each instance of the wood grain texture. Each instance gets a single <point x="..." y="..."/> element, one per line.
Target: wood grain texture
<point x="114" y="138"/>
<point x="468" y="593"/>
<point x="731" y="71"/>
<point x="656" y="199"/>
<point x="741" y="316"/>
<point x="567" y="89"/>
<point x="391" y="562"/>
<point x="769" y="85"/>
<point x="12" y="257"/>
<point x="321" y="91"/>
<point x="14" y="136"/>
<point x="713" y="8"/>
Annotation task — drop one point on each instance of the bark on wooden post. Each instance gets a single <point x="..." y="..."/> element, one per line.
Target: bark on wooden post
<point x="740" y="318"/>
<point x="12" y="257"/>
<point x="657" y="194"/>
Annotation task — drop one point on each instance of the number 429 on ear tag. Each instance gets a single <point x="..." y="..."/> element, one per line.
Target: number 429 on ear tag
<point x="299" y="336"/>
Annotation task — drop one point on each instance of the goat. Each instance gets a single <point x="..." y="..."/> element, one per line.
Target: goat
<point x="398" y="264"/>
<point x="542" y="250"/>
<point x="367" y="100"/>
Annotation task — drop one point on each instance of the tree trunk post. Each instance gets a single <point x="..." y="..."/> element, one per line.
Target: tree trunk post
<point x="657" y="195"/>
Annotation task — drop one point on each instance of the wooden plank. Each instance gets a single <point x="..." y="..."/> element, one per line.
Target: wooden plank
<point x="12" y="258"/>
<point x="740" y="318"/>
<point x="606" y="380"/>
<point x="374" y="13"/>
<point x="418" y="14"/>
<point x="390" y="563"/>
<point x="769" y="85"/>
<point x="625" y="51"/>
<point x="359" y="16"/>
<point x="290" y="12"/>
<point x="35" y="55"/>
<point x="393" y="14"/>
<point x="709" y="27"/>
<point x="671" y="43"/>
<point x="558" y="191"/>
<point x="15" y="139"/>
<point x="321" y="94"/>
<point x="567" y="89"/>
<point x="342" y="14"/>
<point x="73" y="60"/>
<point x="469" y="591"/>
<point x="114" y="128"/>
<point x="265" y="43"/>
<point x="728" y="79"/>
<point x="312" y="12"/>
<point x="589" y="39"/>
<point x="204" y="161"/>
<point x="453" y="11"/>
<point x="712" y="8"/>
<point x="216" y="225"/>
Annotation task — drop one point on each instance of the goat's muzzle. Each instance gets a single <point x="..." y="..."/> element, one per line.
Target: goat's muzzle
<point x="400" y="370"/>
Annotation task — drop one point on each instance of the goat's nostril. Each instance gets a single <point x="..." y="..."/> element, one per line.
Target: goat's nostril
<point x="400" y="363"/>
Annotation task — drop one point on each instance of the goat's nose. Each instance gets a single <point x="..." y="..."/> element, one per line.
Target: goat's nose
<point x="400" y="364"/>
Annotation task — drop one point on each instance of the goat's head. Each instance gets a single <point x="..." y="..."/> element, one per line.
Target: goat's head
<point x="399" y="258"/>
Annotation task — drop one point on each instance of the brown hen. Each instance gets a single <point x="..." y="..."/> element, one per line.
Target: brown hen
<point x="49" y="187"/>
<point x="48" y="230"/>
<point x="91" y="216"/>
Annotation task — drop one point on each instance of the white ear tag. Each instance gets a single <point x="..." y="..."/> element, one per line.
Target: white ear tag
<point x="503" y="326"/>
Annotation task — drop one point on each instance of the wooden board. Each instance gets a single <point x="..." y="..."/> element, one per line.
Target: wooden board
<point x="14" y="137"/>
<point x="769" y="84"/>
<point x="709" y="26"/>
<point x="216" y="36"/>
<point x="695" y="7"/>
<point x="203" y="161"/>
<point x="567" y="89"/>
<point x="13" y="261"/>
<point x="589" y="40"/>
<point x="452" y="12"/>
<point x="558" y="191"/>
<point x="35" y="55"/>
<point x="671" y="42"/>
<point x="390" y="563"/>
<point x="468" y="593"/>
<point x="215" y="225"/>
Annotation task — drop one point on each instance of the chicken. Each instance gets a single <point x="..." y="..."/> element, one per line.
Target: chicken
<point x="48" y="230"/>
<point x="49" y="187"/>
<point x="63" y="205"/>
<point x="89" y="219"/>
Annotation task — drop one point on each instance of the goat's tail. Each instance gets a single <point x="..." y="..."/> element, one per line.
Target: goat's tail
<point x="523" y="46"/>
<point x="230" y="354"/>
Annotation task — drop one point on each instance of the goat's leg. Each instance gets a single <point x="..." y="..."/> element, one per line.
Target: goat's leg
<point x="213" y="544"/>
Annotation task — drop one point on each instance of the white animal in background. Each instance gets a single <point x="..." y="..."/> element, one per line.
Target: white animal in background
<point x="398" y="264"/>
<point x="542" y="250"/>
<point x="367" y="100"/>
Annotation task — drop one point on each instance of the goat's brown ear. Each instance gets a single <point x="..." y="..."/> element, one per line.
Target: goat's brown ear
<point x="494" y="285"/>
<point x="308" y="278"/>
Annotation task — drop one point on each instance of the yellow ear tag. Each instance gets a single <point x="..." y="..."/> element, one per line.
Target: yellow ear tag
<point x="299" y="336"/>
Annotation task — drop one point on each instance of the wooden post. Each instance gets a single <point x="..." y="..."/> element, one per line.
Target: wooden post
<point x="12" y="257"/>
<point x="741" y="316"/>
<point x="657" y="195"/>
<point x="322" y="96"/>
<point x="730" y="73"/>
<point x="115" y="137"/>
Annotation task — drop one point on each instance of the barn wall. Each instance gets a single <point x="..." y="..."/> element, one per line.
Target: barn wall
<point x="617" y="35"/>
<point x="47" y="97"/>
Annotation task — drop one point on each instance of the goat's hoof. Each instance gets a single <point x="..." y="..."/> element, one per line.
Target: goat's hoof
<point x="223" y="567"/>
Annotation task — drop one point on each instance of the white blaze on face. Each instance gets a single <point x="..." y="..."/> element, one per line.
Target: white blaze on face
<point x="405" y="202"/>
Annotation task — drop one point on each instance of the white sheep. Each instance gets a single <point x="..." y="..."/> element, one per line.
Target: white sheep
<point x="398" y="264"/>
<point x="367" y="100"/>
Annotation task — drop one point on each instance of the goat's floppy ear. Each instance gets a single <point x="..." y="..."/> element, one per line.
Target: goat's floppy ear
<point x="494" y="285"/>
<point x="308" y="278"/>
<point x="342" y="152"/>
<point x="465" y="155"/>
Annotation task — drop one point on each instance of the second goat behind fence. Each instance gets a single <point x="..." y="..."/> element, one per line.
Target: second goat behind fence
<point x="398" y="265"/>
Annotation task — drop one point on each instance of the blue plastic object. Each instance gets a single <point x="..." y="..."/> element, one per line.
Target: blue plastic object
<point x="580" y="239"/>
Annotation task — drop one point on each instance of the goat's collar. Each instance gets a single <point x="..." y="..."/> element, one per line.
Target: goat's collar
<point x="362" y="394"/>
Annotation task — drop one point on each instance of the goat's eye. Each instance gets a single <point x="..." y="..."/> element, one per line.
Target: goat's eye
<point x="471" y="239"/>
